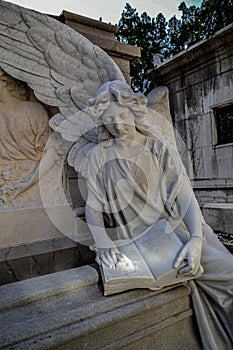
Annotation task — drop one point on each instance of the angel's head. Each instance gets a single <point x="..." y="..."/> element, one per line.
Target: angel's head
<point x="15" y="87"/>
<point x="118" y="94"/>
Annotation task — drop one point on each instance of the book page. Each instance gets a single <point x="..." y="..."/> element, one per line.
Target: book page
<point x="159" y="247"/>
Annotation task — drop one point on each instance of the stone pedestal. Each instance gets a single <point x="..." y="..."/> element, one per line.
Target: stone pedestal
<point x="67" y="310"/>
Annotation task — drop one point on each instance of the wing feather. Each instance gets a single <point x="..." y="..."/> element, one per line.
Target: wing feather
<point x="33" y="19"/>
<point x="81" y="142"/>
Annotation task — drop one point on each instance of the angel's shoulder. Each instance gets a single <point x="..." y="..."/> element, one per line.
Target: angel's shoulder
<point x="155" y="144"/>
<point x="161" y="147"/>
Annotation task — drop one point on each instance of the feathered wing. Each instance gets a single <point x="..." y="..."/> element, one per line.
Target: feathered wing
<point x="159" y="114"/>
<point x="63" y="68"/>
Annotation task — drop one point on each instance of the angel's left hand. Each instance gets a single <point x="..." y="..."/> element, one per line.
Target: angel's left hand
<point x="192" y="252"/>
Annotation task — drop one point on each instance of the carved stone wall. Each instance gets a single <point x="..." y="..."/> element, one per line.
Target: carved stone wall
<point x="200" y="81"/>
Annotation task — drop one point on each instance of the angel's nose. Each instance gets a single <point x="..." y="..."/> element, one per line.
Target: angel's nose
<point x="118" y="126"/>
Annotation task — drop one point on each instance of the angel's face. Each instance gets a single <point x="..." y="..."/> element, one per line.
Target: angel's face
<point x="119" y="120"/>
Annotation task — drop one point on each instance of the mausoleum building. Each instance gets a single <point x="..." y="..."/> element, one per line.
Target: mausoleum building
<point x="200" y="82"/>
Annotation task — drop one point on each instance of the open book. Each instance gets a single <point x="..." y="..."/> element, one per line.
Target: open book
<point x="152" y="255"/>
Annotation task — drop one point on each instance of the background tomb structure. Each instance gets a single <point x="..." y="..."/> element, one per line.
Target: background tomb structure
<point x="200" y="83"/>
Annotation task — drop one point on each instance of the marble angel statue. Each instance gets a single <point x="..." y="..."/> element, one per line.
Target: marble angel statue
<point x="134" y="176"/>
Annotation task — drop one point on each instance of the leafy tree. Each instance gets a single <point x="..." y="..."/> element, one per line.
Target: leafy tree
<point x="149" y="34"/>
<point x="156" y="35"/>
<point x="214" y="15"/>
<point x="174" y="43"/>
<point x="190" y="32"/>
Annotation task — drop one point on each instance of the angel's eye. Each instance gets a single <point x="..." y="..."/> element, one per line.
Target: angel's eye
<point x="123" y="116"/>
<point x="108" y="120"/>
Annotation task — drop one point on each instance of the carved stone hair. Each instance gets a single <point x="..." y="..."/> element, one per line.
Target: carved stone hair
<point x="15" y="87"/>
<point x="119" y="92"/>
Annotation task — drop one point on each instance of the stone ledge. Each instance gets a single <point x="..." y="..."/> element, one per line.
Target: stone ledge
<point x="219" y="216"/>
<point x="34" y="289"/>
<point x="35" y="248"/>
<point x="31" y="245"/>
<point x="89" y="22"/>
<point x="67" y="310"/>
<point x="224" y="206"/>
<point x="212" y="183"/>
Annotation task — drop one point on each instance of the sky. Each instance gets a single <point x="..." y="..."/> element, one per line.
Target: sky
<point x="109" y="10"/>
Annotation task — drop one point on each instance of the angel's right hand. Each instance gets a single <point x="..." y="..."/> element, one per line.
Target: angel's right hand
<point x="10" y="191"/>
<point x="6" y="193"/>
<point x="109" y="256"/>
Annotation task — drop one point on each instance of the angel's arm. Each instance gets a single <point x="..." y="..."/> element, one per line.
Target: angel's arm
<point x="106" y="250"/>
<point x="192" y="218"/>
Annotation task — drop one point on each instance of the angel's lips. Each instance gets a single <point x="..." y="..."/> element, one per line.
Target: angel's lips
<point x="120" y="133"/>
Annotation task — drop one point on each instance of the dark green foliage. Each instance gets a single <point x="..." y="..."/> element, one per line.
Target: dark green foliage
<point x="156" y="35"/>
<point x="147" y="33"/>
<point x="215" y="14"/>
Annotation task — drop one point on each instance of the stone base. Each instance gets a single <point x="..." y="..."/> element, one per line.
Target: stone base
<point x="67" y="310"/>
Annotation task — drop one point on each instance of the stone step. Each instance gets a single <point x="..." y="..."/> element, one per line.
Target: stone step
<point x="67" y="310"/>
<point x="31" y="290"/>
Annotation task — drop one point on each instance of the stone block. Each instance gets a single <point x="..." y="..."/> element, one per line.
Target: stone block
<point x="124" y="66"/>
<point x="219" y="216"/>
<point x="67" y="310"/>
<point x="218" y="162"/>
<point x="38" y="258"/>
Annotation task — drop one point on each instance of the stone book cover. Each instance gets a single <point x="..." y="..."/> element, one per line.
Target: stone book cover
<point x="149" y="264"/>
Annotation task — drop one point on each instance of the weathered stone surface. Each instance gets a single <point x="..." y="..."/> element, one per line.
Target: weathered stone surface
<point x="66" y="310"/>
<point x="25" y="225"/>
<point x="39" y="247"/>
<point x="200" y="79"/>
<point x="219" y="216"/>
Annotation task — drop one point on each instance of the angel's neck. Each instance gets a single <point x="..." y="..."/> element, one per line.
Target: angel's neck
<point x="128" y="147"/>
